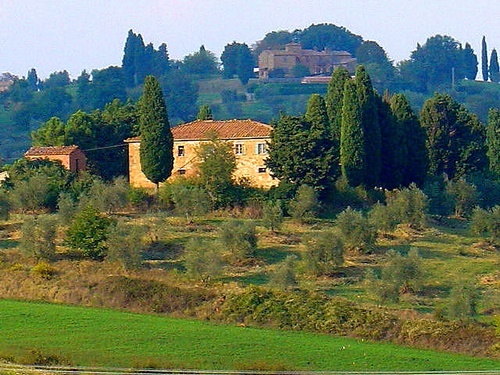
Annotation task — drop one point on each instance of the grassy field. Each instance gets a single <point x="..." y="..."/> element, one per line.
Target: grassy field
<point x="37" y="332"/>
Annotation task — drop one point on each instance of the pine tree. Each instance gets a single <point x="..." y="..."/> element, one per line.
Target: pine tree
<point x="246" y="63"/>
<point x="205" y="113"/>
<point x="494" y="68"/>
<point x="455" y="138"/>
<point x="371" y="128"/>
<point x="297" y="153"/>
<point x="484" y="59"/>
<point x="352" y="151"/>
<point x="493" y="140"/>
<point x="237" y="59"/>
<point x="413" y="139"/>
<point x="156" y="150"/>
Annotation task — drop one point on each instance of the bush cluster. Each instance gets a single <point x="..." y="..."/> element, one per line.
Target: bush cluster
<point x="305" y="311"/>
<point x="315" y="312"/>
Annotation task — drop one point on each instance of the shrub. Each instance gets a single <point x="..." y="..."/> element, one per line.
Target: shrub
<point x="346" y="195"/>
<point x="355" y="231"/>
<point x="304" y="206"/>
<point x="462" y="304"/>
<point x="203" y="259"/>
<point x="139" y="198"/>
<point x="87" y="233"/>
<point x="32" y="194"/>
<point x="66" y="207"/>
<point x="38" y="235"/>
<point x="406" y="273"/>
<point x="383" y="291"/>
<point x="240" y="238"/>
<point x="324" y="252"/>
<point x="43" y="270"/>
<point x="399" y="275"/>
<point x="284" y="276"/>
<point x="408" y="206"/>
<point x="383" y="218"/>
<point x="486" y="223"/>
<point x="189" y="199"/>
<point x="107" y="197"/>
<point x="124" y="244"/>
<point x="272" y="215"/>
<point x="463" y="195"/>
<point x="36" y="184"/>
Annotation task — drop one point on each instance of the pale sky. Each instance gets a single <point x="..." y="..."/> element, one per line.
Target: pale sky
<point x="53" y="35"/>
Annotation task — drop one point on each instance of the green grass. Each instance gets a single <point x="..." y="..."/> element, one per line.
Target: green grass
<point x="94" y="337"/>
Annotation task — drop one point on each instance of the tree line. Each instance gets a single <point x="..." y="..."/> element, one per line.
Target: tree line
<point x="378" y="141"/>
<point x="31" y="101"/>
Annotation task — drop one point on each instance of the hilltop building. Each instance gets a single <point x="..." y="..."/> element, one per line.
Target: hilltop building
<point x="318" y="62"/>
<point x="248" y="138"/>
<point x="71" y="157"/>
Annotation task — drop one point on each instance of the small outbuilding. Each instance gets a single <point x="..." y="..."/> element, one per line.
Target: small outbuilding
<point x="71" y="157"/>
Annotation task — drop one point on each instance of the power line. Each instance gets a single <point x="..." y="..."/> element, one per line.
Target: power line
<point x="105" y="147"/>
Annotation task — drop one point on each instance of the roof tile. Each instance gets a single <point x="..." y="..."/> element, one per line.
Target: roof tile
<point x="50" y="150"/>
<point x="225" y="129"/>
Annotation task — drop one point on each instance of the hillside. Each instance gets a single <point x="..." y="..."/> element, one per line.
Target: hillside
<point x="340" y="302"/>
<point x="107" y="338"/>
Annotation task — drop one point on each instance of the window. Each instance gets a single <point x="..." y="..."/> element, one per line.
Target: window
<point x="262" y="170"/>
<point x="180" y="151"/>
<point x="261" y="148"/>
<point x="239" y="149"/>
<point x="181" y="171"/>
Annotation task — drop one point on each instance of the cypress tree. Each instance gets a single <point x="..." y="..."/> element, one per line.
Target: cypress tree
<point x="494" y="68"/>
<point x="205" y="113"/>
<point x="352" y="151"/>
<point x="371" y="128"/>
<point x="334" y="99"/>
<point x="413" y="140"/>
<point x="316" y="112"/>
<point x="323" y="150"/>
<point x="484" y="59"/>
<point x="493" y="140"/>
<point x="393" y="148"/>
<point x="132" y="59"/>
<point x="156" y="150"/>
<point x="469" y="60"/>
<point x="161" y="63"/>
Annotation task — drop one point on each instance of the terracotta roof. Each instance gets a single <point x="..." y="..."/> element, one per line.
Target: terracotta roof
<point x="225" y="129"/>
<point x="50" y="150"/>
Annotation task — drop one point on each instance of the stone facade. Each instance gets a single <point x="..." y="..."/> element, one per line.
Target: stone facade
<point x="318" y="62"/>
<point x="71" y="157"/>
<point x="248" y="139"/>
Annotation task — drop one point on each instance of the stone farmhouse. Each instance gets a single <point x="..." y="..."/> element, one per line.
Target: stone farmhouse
<point x="71" y="157"/>
<point x="318" y="62"/>
<point x="248" y="138"/>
